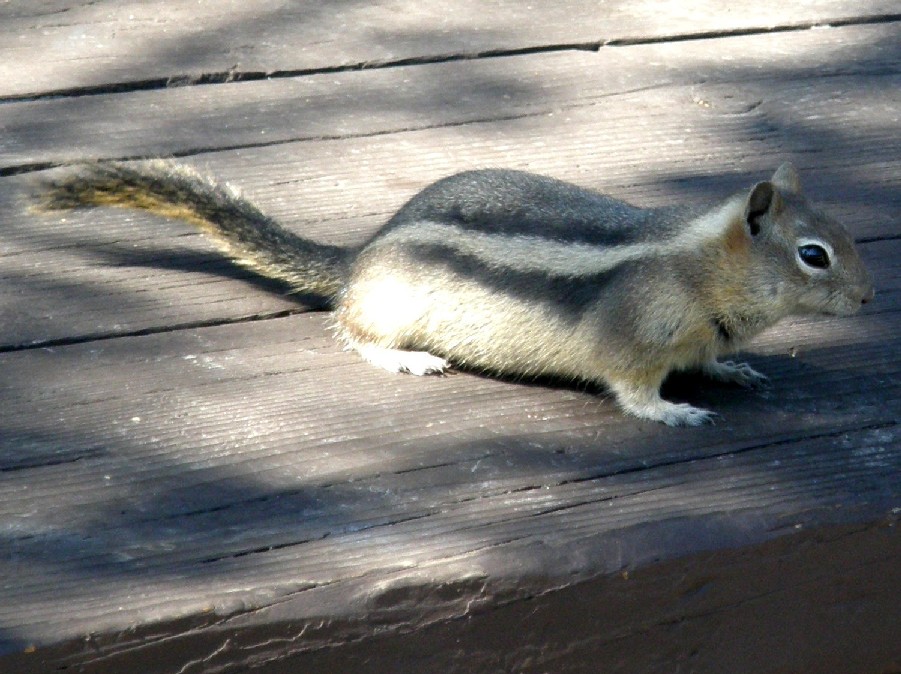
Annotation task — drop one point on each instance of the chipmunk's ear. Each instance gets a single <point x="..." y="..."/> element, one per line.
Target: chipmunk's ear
<point x="764" y="199"/>
<point x="786" y="178"/>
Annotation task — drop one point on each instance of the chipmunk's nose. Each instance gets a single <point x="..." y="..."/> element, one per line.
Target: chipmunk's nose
<point x="868" y="295"/>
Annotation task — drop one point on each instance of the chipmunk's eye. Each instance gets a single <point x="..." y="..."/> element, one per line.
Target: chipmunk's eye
<point x="814" y="256"/>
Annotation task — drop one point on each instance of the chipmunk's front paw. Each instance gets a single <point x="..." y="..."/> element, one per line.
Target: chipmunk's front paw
<point x="684" y="414"/>
<point x="736" y="373"/>
<point x="645" y="402"/>
<point x="672" y="414"/>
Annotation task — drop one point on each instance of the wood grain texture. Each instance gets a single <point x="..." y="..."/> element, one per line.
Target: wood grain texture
<point x="194" y="477"/>
<point x="88" y="274"/>
<point x="64" y="45"/>
<point x="187" y="120"/>
<point x="187" y="466"/>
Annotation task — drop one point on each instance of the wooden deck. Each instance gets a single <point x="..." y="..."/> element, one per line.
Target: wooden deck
<point x="194" y="477"/>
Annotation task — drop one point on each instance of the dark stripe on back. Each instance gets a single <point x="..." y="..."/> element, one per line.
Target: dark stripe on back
<point x="570" y="296"/>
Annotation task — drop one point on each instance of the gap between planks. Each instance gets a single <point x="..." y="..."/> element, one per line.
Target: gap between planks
<point x="517" y="108"/>
<point x="234" y="75"/>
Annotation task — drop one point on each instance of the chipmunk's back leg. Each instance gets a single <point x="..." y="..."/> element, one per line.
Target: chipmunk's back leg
<point x="399" y="360"/>
<point x="384" y="314"/>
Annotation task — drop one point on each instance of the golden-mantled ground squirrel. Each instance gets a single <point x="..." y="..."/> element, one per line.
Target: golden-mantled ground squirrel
<point x="517" y="274"/>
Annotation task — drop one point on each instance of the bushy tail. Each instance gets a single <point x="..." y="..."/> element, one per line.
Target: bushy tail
<point x="177" y="191"/>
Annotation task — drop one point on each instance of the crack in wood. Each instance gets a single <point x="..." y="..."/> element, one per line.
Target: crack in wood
<point x="33" y="167"/>
<point x="45" y="462"/>
<point x="878" y="239"/>
<point x="864" y="20"/>
<point x="808" y="435"/>
<point x="234" y="75"/>
<point x="290" y="544"/>
<point x="144" y="332"/>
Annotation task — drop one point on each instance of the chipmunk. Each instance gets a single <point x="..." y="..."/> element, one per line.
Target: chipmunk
<point x="511" y="273"/>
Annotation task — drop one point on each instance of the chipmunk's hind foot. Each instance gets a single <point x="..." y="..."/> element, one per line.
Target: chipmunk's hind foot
<point x="419" y="363"/>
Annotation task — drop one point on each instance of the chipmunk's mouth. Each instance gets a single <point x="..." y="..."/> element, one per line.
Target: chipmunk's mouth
<point x="851" y="308"/>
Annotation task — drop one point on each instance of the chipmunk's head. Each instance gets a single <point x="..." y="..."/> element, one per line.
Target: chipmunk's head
<point x="810" y="258"/>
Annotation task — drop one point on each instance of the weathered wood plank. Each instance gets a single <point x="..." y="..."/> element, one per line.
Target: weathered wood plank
<point x="744" y="602"/>
<point x="173" y="488"/>
<point x="64" y="45"/>
<point x="706" y="613"/>
<point x="247" y="114"/>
